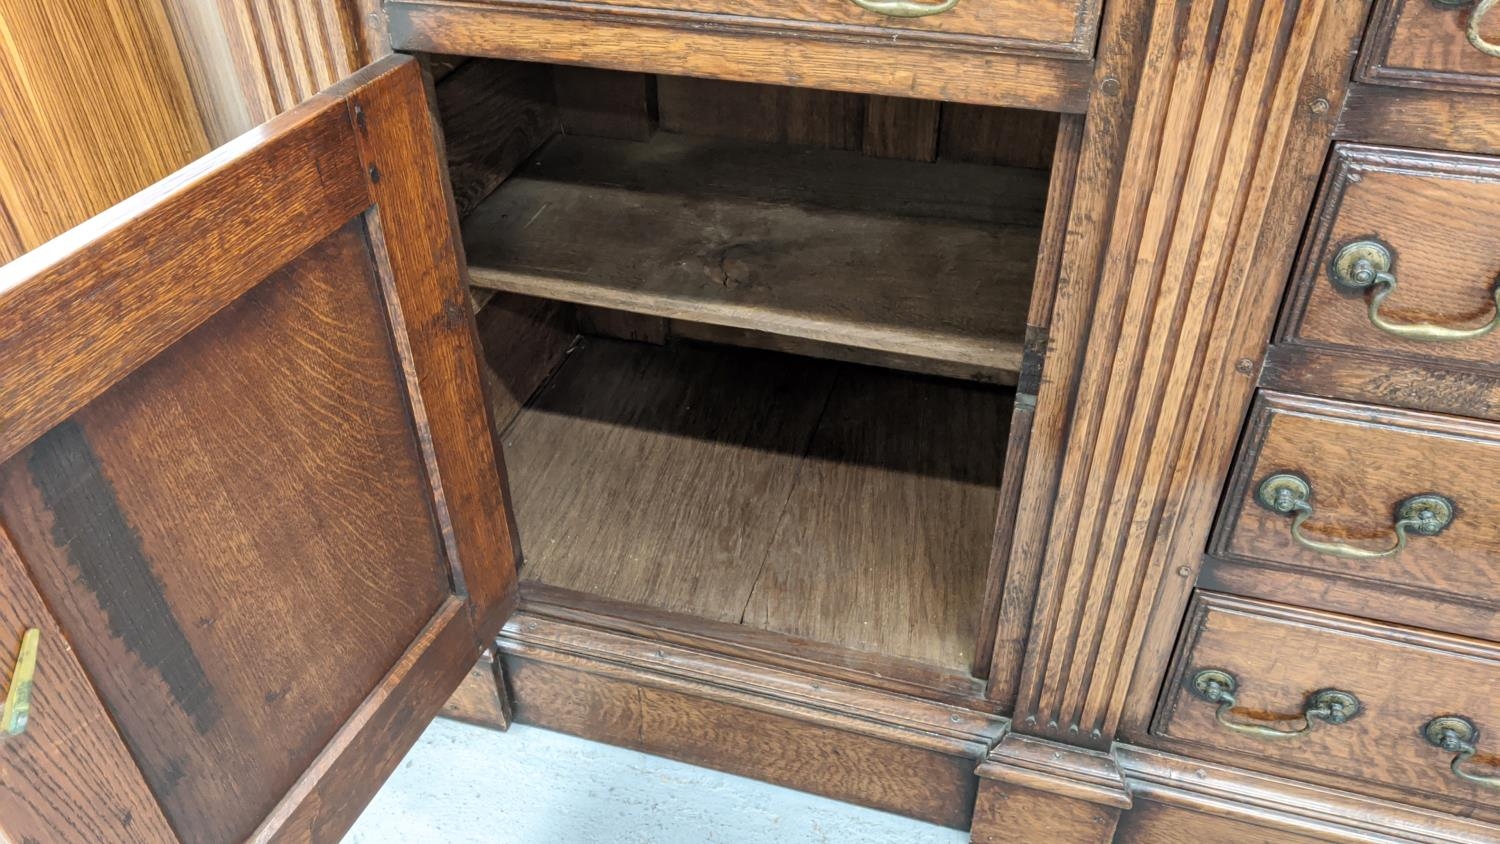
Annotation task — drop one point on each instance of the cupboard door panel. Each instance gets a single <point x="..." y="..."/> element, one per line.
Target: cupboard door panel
<point x="262" y="496"/>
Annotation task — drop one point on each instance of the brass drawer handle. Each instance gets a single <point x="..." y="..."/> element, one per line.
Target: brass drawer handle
<point x="905" y="8"/>
<point x="17" y="709"/>
<point x="1366" y="264"/>
<point x="1476" y="19"/>
<point x="1458" y="735"/>
<point x="1425" y="515"/>
<point x="1217" y="686"/>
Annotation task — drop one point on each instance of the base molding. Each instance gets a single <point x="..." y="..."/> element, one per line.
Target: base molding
<point x="852" y="743"/>
<point x="1033" y="789"/>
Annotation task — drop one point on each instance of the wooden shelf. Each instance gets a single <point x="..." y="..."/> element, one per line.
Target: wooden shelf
<point x="930" y="261"/>
<point x="837" y="503"/>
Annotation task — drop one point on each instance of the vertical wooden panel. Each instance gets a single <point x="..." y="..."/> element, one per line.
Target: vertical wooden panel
<point x="1223" y="152"/>
<point x="96" y="106"/>
<point x="988" y="135"/>
<point x="897" y="127"/>
<point x="239" y="537"/>
<point x="761" y="112"/>
<point x="605" y="103"/>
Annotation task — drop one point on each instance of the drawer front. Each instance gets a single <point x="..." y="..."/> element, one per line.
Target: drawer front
<point x="1380" y="686"/>
<point x="1431" y="44"/>
<point x="1059" y="26"/>
<point x="1358" y="466"/>
<point x="1429" y="223"/>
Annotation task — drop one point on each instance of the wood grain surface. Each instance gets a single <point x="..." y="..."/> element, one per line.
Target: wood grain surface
<point x="843" y="505"/>
<point x="127" y="513"/>
<point x="1420" y="43"/>
<point x="1402" y="677"/>
<point x="1436" y="214"/>
<point x="1361" y="463"/>
<point x="97" y="106"/>
<point x="758" y="238"/>
<point x="697" y="44"/>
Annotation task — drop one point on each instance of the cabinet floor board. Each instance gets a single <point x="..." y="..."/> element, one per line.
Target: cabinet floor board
<point x="932" y="261"/>
<point x="843" y="504"/>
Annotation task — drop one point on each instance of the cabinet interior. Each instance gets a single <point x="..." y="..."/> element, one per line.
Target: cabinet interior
<point x="753" y="350"/>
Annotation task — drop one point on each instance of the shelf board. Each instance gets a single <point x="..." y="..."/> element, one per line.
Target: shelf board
<point x="932" y="261"/>
<point x="843" y="504"/>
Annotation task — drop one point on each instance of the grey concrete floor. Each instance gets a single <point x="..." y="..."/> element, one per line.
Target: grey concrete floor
<point x="469" y="785"/>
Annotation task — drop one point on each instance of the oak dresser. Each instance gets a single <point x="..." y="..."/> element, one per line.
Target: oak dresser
<point x="1070" y="420"/>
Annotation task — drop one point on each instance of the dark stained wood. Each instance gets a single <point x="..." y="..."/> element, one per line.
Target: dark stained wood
<point x="750" y="51"/>
<point x="878" y="671"/>
<point x="1008" y="136"/>
<point x="266" y="511"/>
<point x="1034" y="789"/>
<point x="1361" y="463"/>
<point x="1422" y="43"/>
<point x="1421" y="118"/>
<point x="884" y="540"/>
<point x="1359" y="375"/>
<point x="765" y="113"/>
<point x="896" y="127"/>
<point x="1064" y="27"/>
<point x="880" y="750"/>
<point x="62" y="342"/>
<point x="68" y="776"/>
<point x="494" y="115"/>
<point x="482" y="699"/>
<point x="1403" y="677"/>
<point x="523" y="340"/>
<point x="122" y="510"/>
<point x="656" y="476"/>
<point x="1435" y="212"/>
<point x="605" y="103"/>
<point x="907" y="282"/>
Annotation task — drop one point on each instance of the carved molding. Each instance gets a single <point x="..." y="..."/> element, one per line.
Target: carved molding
<point x="1227" y="132"/>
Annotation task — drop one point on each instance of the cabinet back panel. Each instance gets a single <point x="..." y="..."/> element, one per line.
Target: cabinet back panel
<point x="190" y="526"/>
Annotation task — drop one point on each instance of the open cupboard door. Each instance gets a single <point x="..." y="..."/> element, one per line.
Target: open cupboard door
<point x="248" y="485"/>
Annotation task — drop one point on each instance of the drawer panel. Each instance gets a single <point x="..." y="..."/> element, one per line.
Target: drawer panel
<point x="1359" y="464"/>
<point x="1064" y="26"/>
<point x="1280" y="659"/>
<point x="1426" y="43"/>
<point x="1436" y="219"/>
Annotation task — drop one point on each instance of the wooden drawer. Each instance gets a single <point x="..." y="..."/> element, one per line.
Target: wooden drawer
<point x="1438" y="218"/>
<point x="1281" y="661"/>
<point x="1426" y="43"/>
<point x="1359" y="465"/>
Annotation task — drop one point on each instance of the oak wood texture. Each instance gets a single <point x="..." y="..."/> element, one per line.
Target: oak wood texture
<point x="69" y="776"/>
<point x="1005" y="814"/>
<point x="482" y="699"/>
<point x="853" y="743"/>
<point x="1224" y="799"/>
<point x="923" y="260"/>
<point x="494" y="115"/>
<point x="1361" y="463"/>
<point x="252" y="376"/>
<point x="1144" y="394"/>
<point x="882" y="545"/>
<point x="250" y="60"/>
<point x="1435" y="212"/>
<point x="878" y="671"/>
<point x="97" y="106"/>
<point x="741" y="49"/>
<point x="523" y="341"/>
<point x="842" y="505"/>
<point x="1034" y="789"/>
<point x="1279" y="655"/>
<point x="1420" y="43"/>
<point x="1423" y="118"/>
